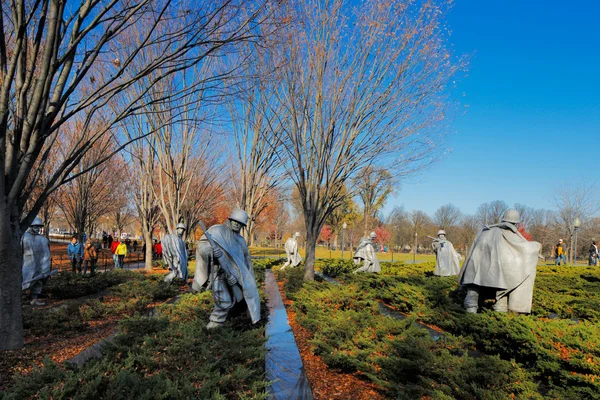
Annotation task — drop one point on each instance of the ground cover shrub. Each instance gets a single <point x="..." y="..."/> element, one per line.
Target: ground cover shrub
<point x="172" y="356"/>
<point x="335" y="267"/>
<point x="351" y="335"/>
<point x="70" y="286"/>
<point x="562" y="354"/>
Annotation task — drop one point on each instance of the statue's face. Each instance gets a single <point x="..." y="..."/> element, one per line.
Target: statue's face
<point x="235" y="226"/>
<point x="442" y="237"/>
<point x="180" y="232"/>
<point x="36" y="229"/>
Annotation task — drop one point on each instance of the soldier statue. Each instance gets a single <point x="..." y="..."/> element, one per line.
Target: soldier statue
<point x="501" y="264"/>
<point x="365" y="254"/>
<point x="36" y="261"/>
<point x="291" y="249"/>
<point x="223" y="264"/>
<point x="446" y="258"/>
<point x="175" y="254"/>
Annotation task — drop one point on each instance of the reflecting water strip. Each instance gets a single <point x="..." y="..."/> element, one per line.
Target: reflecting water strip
<point x="283" y="363"/>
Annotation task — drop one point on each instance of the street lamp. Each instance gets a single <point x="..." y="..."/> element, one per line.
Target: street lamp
<point x="576" y="225"/>
<point x="344" y="226"/>
<point x="415" y="253"/>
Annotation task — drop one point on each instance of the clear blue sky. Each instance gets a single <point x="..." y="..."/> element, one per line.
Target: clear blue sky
<point x="533" y="96"/>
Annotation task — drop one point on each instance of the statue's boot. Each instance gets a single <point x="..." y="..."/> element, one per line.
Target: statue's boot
<point x="214" y="325"/>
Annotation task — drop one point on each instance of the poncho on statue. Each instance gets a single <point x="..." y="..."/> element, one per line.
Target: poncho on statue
<point x="291" y="250"/>
<point x="447" y="262"/>
<point x="502" y="259"/>
<point x="365" y="253"/>
<point x="235" y="249"/>
<point x="36" y="258"/>
<point x="175" y="255"/>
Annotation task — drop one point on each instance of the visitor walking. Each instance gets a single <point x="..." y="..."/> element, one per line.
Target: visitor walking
<point x="75" y="254"/>
<point x="113" y="250"/>
<point x="121" y="252"/>
<point x="560" y="253"/>
<point x="90" y="256"/>
<point x="594" y="255"/>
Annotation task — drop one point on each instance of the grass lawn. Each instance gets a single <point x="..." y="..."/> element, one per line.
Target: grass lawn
<point x="324" y="252"/>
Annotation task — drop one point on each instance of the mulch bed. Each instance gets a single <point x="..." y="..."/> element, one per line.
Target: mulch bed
<point x="327" y="383"/>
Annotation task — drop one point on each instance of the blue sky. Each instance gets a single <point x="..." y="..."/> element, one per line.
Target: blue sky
<point x="533" y="96"/>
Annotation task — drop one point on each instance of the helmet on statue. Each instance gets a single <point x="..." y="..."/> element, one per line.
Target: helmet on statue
<point x="240" y="216"/>
<point x="441" y="232"/>
<point x="372" y="235"/>
<point x="512" y="216"/>
<point x="37" y="221"/>
<point x="181" y="225"/>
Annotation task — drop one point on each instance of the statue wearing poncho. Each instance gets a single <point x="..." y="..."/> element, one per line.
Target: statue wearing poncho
<point x="504" y="262"/>
<point x="36" y="260"/>
<point x="175" y="254"/>
<point x="208" y="271"/>
<point x="365" y="253"/>
<point x="446" y="258"/>
<point x="291" y="250"/>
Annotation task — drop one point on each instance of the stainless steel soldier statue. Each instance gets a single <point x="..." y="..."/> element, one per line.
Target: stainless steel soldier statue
<point x="291" y="250"/>
<point x="223" y="263"/>
<point x="447" y="260"/>
<point x="175" y="254"/>
<point x="501" y="264"/>
<point x="36" y="260"/>
<point x="365" y="254"/>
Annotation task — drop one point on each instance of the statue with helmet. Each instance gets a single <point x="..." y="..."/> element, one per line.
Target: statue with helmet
<point x="36" y="261"/>
<point x="291" y="250"/>
<point x="447" y="260"/>
<point x="175" y="254"/>
<point x="501" y="264"/>
<point x="365" y="255"/>
<point x="224" y="265"/>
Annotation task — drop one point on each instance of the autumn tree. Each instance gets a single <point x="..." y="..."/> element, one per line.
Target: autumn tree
<point x="49" y="51"/>
<point x="358" y="86"/>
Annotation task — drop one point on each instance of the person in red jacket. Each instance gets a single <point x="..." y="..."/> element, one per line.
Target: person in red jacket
<point x="113" y="249"/>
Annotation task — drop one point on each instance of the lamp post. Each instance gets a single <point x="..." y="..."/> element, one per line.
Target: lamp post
<point x="576" y="225"/>
<point x="344" y="226"/>
<point x="415" y="253"/>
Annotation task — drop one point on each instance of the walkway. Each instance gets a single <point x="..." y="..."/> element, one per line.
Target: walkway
<point x="283" y="363"/>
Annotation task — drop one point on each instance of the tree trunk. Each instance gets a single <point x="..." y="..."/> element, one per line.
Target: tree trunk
<point x="148" y="256"/>
<point x="11" y="260"/>
<point x="311" y="243"/>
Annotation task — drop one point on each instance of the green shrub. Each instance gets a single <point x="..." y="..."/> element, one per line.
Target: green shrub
<point x="70" y="286"/>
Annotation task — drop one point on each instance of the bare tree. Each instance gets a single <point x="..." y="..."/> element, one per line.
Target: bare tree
<point x="492" y="212"/>
<point x="469" y="226"/>
<point x="446" y="216"/>
<point x="422" y="225"/>
<point x="575" y="200"/>
<point x="374" y="186"/>
<point x="256" y="173"/>
<point x="358" y="86"/>
<point x="50" y="51"/>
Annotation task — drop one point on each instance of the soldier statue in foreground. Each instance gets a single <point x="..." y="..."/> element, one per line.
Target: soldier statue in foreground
<point x="36" y="260"/>
<point x="447" y="260"/>
<point x="501" y="264"/>
<point x="291" y="249"/>
<point x="365" y="254"/>
<point x="175" y="254"/>
<point x="224" y="264"/>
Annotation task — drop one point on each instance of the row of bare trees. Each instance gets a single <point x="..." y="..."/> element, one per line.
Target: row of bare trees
<point x="310" y="94"/>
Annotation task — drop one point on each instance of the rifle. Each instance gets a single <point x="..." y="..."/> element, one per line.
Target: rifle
<point x="225" y="264"/>
<point x="431" y="237"/>
<point x="41" y="276"/>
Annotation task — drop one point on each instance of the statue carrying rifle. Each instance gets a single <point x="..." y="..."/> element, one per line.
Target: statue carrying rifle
<point x="223" y="264"/>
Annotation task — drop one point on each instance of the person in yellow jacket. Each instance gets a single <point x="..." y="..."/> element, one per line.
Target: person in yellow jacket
<point x="121" y="252"/>
<point x="560" y="252"/>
